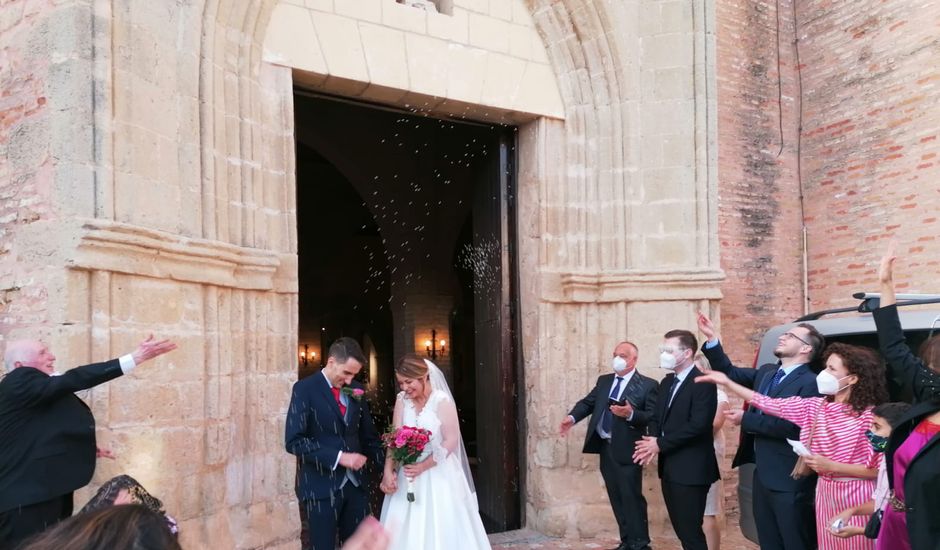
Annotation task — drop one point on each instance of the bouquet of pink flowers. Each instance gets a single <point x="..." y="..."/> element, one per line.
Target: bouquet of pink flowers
<point x="406" y="445"/>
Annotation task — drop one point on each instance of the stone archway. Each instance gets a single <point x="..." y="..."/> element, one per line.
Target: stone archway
<point x="168" y="182"/>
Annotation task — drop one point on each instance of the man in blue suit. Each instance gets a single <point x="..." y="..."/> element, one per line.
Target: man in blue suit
<point x="330" y="430"/>
<point x="783" y="506"/>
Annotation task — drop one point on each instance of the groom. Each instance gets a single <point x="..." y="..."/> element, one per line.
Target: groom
<point x="330" y="430"/>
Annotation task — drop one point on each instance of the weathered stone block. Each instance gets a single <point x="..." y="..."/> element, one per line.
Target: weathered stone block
<point x="342" y="46"/>
<point x="403" y="17"/>
<point x="489" y="33"/>
<point x="385" y="55"/>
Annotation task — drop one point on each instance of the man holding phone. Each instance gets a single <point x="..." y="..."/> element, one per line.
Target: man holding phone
<point x="620" y="405"/>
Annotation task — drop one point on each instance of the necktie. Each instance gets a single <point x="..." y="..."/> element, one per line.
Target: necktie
<point x="342" y="408"/>
<point x="778" y="376"/>
<point x="672" y="390"/>
<point x="607" y="419"/>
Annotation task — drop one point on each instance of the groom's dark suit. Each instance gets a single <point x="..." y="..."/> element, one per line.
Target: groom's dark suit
<point x="623" y="478"/>
<point x="332" y="496"/>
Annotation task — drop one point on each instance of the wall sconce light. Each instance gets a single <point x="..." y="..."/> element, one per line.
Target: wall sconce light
<point x="307" y="356"/>
<point x="431" y="346"/>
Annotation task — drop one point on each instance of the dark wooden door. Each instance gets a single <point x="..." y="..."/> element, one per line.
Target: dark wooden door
<point x="498" y="486"/>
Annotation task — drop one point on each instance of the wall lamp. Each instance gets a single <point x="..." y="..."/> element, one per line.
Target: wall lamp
<point x="307" y="356"/>
<point x="431" y="346"/>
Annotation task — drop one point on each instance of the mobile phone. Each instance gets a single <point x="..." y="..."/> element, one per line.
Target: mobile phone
<point x="611" y="402"/>
<point x="838" y="524"/>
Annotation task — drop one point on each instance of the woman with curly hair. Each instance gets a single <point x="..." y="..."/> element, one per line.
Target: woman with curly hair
<point x="833" y="429"/>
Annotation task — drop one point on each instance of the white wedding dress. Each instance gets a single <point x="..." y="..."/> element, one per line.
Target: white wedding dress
<point x="444" y="514"/>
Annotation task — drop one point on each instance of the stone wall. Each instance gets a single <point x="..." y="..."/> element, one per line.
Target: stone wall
<point x="760" y="226"/>
<point x="483" y="60"/>
<point x="130" y="207"/>
<point x="616" y="200"/>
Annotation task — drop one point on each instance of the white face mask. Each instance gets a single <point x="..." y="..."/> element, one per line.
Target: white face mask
<point x="619" y="364"/>
<point x="667" y="361"/>
<point x="827" y="384"/>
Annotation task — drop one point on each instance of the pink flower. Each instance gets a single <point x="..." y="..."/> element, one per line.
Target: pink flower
<point x="355" y="393"/>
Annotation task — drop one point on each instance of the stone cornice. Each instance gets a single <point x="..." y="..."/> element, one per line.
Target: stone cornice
<point x="104" y="245"/>
<point x="632" y="285"/>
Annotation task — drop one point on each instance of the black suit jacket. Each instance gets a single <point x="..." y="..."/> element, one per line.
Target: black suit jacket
<point x="684" y="431"/>
<point x="640" y="392"/>
<point x="764" y="437"/>
<point x="907" y="371"/>
<point x="316" y="433"/>
<point x="48" y="433"/>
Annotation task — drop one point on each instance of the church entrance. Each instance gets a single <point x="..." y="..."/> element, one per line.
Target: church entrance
<point x="406" y="242"/>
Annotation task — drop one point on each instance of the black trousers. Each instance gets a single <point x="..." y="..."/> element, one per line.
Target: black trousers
<point x="625" y="490"/>
<point x="327" y="518"/>
<point x="785" y="520"/>
<point x="686" y="507"/>
<point x="18" y="524"/>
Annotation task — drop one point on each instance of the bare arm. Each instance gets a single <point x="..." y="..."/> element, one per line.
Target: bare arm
<point x="886" y="277"/>
<point x="450" y="426"/>
<point x="822" y="464"/>
<point x="716" y="377"/>
<point x="719" y="420"/>
<point x="396" y="423"/>
<point x="150" y="348"/>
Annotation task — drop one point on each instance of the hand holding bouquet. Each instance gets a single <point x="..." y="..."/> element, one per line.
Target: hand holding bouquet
<point x="406" y="445"/>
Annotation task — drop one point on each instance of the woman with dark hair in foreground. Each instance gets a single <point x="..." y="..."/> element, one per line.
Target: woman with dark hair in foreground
<point x="125" y="527"/>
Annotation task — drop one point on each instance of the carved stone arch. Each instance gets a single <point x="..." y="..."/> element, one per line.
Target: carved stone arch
<point x="614" y="232"/>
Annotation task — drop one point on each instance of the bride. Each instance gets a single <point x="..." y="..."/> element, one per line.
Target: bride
<point x="444" y="512"/>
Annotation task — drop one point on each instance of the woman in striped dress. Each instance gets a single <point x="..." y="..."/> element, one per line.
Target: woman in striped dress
<point x="833" y="428"/>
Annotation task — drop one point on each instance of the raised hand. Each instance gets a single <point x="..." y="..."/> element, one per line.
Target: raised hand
<point x="706" y="326"/>
<point x="886" y="269"/>
<point x="150" y="348"/>
<point x="713" y="377"/>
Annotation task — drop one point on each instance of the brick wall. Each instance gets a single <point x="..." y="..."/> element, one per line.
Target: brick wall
<point x="868" y="85"/>
<point x="759" y="215"/>
<point x="871" y="88"/>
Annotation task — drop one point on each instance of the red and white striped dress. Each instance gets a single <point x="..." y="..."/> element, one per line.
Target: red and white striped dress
<point x="839" y="436"/>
